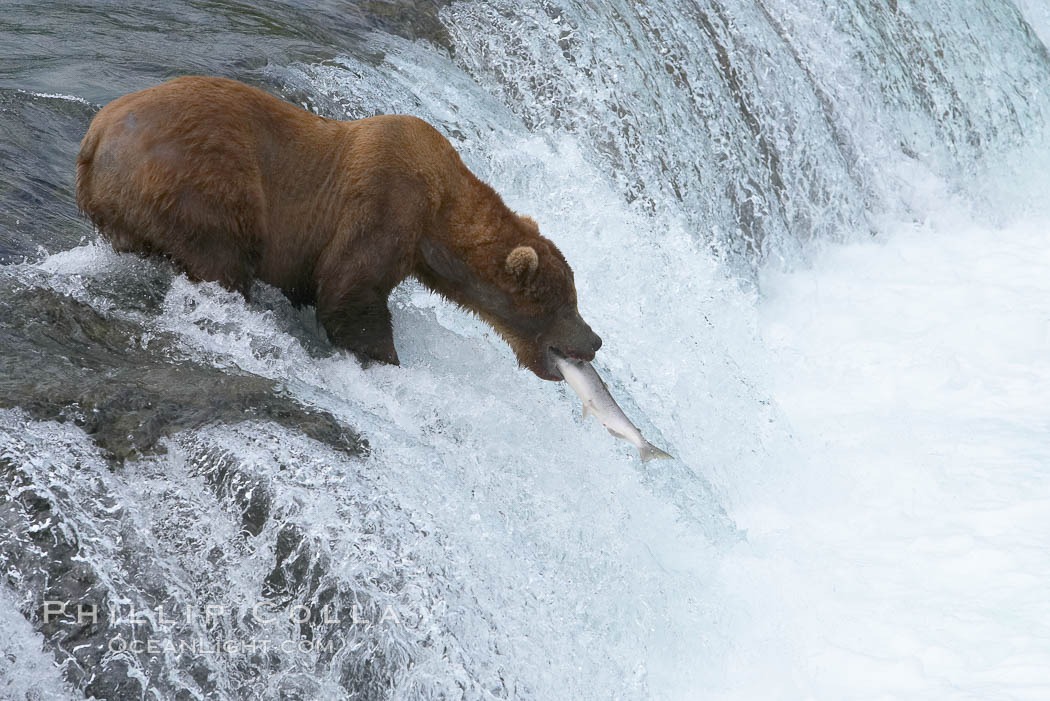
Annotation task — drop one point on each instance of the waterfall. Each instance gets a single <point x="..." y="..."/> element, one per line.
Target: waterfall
<point x="483" y="542"/>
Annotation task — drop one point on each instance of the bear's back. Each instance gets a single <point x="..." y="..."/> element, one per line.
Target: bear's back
<point x="209" y="169"/>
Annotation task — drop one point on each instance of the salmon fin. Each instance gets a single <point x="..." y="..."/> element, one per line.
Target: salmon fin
<point x="648" y="452"/>
<point x="587" y="410"/>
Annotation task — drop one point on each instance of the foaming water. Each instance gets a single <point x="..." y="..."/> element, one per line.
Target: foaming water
<point x="542" y="530"/>
<point x="29" y="670"/>
<point x="903" y="555"/>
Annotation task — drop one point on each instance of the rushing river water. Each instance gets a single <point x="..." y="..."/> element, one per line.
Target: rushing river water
<point x="812" y="235"/>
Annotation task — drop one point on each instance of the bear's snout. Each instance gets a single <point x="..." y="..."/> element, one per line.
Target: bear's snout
<point x="573" y="337"/>
<point x="585" y="349"/>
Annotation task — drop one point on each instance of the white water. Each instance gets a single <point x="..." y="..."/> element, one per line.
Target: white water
<point x="896" y="547"/>
<point x="29" y="671"/>
<point x="904" y="553"/>
<point x="896" y="539"/>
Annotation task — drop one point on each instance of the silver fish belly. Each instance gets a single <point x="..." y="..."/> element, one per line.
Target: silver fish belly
<point x="597" y="400"/>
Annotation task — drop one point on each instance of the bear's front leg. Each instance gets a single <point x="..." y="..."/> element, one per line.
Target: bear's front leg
<point x="364" y="328"/>
<point x="355" y="277"/>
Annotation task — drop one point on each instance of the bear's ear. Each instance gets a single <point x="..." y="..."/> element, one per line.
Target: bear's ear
<point x="522" y="262"/>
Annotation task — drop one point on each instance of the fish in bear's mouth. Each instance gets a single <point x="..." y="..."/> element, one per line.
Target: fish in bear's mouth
<point x="552" y="354"/>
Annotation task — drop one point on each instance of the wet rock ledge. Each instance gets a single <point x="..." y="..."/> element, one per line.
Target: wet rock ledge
<point x="62" y="360"/>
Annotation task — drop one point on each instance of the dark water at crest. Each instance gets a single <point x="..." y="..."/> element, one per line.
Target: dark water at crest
<point x="101" y="50"/>
<point x="168" y="445"/>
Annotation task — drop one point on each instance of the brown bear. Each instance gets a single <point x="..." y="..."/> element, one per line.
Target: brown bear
<point x="234" y="184"/>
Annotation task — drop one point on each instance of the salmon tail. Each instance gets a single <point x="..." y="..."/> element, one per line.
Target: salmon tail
<point x="648" y="452"/>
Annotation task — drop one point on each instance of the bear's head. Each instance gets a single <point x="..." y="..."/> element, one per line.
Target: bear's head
<point x="541" y="319"/>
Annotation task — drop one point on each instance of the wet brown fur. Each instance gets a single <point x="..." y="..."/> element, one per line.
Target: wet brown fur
<point x="234" y="184"/>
